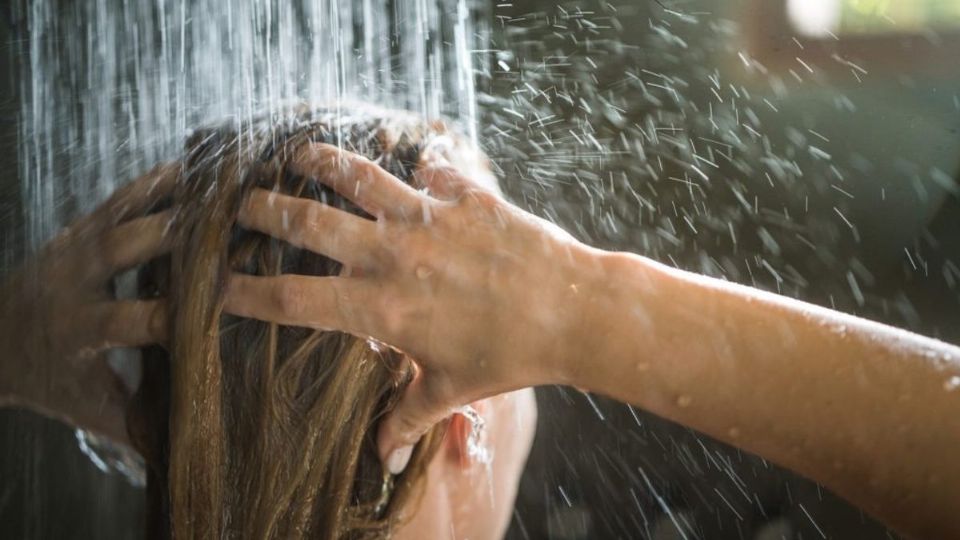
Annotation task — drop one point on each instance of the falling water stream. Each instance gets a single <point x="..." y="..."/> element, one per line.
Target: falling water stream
<point x="642" y="126"/>
<point x="115" y="86"/>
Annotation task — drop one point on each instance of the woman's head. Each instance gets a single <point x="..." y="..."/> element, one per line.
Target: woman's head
<point x="253" y="429"/>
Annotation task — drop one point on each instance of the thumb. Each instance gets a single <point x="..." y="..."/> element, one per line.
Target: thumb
<point x="401" y="429"/>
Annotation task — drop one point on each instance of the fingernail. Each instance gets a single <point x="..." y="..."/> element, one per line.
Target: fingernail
<point x="398" y="459"/>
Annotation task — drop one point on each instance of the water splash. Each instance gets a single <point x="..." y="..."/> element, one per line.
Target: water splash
<point x="478" y="449"/>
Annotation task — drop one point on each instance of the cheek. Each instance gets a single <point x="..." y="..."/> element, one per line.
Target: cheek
<point x="473" y="500"/>
<point x="432" y="517"/>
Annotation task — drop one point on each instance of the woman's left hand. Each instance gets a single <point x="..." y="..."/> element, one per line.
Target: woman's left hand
<point x="58" y="316"/>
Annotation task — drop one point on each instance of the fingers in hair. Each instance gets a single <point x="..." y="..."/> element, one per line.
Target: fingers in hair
<point x="131" y="244"/>
<point x="437" y="172"/>
<point x="135" y="198"/>
<point x="328" y="303"/>
<point x="126" y="323"/>
<point x="443" y="181"/>
<point x="312" y="225"/>
<point x="362" y="181"/>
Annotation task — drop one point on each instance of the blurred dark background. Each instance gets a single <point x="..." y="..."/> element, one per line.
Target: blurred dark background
<point x="831" y="165"/>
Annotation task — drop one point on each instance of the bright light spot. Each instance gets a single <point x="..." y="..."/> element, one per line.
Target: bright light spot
<point x="815" y="18"/>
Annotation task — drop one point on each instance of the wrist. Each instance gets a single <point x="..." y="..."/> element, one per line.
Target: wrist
<point x="585" y="296"/>
<point x="615" y="302"/>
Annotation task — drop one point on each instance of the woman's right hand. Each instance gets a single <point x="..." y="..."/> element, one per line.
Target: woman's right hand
<point x="482" y="295"/>
<point x="57" y="313"/>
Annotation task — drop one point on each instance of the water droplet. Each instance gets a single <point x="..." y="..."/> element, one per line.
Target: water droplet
<point x="642" y="366"/>
<point x="684" y="401"/>
<point x="952" y="383"/>
<point x="475" y="445"/>
<point x="733" y="433"/>
<point x="423" y="272"/>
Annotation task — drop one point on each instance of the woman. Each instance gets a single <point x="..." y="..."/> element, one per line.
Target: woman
<point x="488" y="298"/>
<point x="253" y="429"/>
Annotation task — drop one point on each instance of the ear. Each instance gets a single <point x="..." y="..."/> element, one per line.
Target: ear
<point x="456" y="441"/>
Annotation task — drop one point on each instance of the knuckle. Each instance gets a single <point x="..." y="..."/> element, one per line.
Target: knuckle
<point x="325" y="149"/>
<point x="483" y="199"/>
<point x="343" y="305"/>
<point x="449" y="176"/>
<point x="362" y="168"/>
<point x="430" y="175"/>
<point x="388" y="250"/>
<point x="111" y="325"/>
<point x="390" y="311"/>
<point x="445" y="212"/>
<point x="109" y="251"/>
<point x="290" y="298"/>
<point x="417" y="247"/>
<point x="303" y="222"/>
<point x="157" y="323"/>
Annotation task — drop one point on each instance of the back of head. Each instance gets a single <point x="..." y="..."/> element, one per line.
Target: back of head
<point x="252" y="429"/>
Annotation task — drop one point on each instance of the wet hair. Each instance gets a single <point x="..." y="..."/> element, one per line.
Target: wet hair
<point x="253" y="429"/>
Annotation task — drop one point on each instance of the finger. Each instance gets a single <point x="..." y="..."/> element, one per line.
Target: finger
<point x="362" y="181"/>
<point x="134" y="198"/>
<point x="448" y="170"/>
<point x="401" y="429"/>
<point x="442" y="181"/>
<point x="132" y="244"/>
<point x="328" y="303"/>
<point x="311" y="225"/>
<point x="126" y="323"/>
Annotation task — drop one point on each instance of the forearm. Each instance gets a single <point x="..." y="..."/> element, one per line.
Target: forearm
<point x="867" y="410"/>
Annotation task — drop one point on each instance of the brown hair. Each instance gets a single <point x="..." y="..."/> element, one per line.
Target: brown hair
<point x="252" y="429"/>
